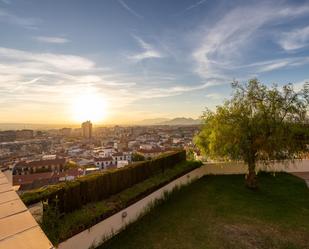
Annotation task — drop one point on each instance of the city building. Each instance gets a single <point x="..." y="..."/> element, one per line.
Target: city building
<point x="152" y="153"/>
<point x="7" y="136"/>
<point x="118" y="159"/>
<point x="37" y="180"/>
<point x="65" y="131"/>
<point x="87" y="129"/>
<point x="39" y="166"/>
<point x="24" y="134"/>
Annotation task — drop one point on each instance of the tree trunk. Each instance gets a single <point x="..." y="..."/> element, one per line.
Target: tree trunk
<point x="251" y="180"/>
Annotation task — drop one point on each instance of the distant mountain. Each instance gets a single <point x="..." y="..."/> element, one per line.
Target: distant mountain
<point x="174" y="121"/>
<point x="182" y="121"/>
<point x="153" y="121"/>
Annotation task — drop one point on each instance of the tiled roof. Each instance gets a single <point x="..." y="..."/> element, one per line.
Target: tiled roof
<point x="117" y="154"/>
<point x="103" y="159"/>
<point x="27" y="179"/>
<point x="41" y="163"/>
<point x="30" y="178"/>
<point x="108" y="148"/>
<point x="154" y="150"/>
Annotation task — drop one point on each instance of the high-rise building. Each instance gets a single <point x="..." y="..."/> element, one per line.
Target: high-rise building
<point x="87" y="129"/>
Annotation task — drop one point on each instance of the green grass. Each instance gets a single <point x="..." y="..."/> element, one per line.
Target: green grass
<point x="59" y="228"/>
<point x="219" y="212"/>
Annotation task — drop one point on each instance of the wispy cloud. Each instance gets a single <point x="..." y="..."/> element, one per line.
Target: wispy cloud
<point x="51" y="81"/>
<point x="270" y="65"/>
<point x="148" y="51"/>
<point x="214" y="96"/>
<point x="8" y="17"/>
<point x="61" y="62"/>
<point x="51" y="39"/>
<point x="191" y="7"/>
<point x="129" y="9"/>
<point x="294" y="39"/>
<point x="225" y="45"/>
<point x="195" y="5"/>
<point x="171" y="91"/>
<point x="6" y="1"/>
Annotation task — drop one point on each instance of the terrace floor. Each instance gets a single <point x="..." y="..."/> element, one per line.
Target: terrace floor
<point x="219" y="212"/>
<point x="18" y="229"/>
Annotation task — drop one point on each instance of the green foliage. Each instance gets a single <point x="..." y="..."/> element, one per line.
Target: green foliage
<point x="257" y="124"/>
<point x="70" y="165"/>
<point x="50" y="221"/>
<point x="90" y="214"/>
<point x="190" y="154"/>
<point x="72" y="195"/>
<point x="136" y="157"/>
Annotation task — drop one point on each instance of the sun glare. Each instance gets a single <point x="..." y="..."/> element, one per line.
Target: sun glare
<point x="89" y="107"/>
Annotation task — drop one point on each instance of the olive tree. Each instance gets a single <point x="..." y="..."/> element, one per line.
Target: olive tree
<point x="258" y="124"/>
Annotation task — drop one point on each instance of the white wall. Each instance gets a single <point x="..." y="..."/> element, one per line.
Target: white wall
<point x="114" y="224"/>
<point x="241" y="168"/>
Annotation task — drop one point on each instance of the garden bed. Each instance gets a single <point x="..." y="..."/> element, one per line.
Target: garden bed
<point x="60" y="227"/>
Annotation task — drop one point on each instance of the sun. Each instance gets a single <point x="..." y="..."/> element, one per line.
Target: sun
<point x="89" y="107"/>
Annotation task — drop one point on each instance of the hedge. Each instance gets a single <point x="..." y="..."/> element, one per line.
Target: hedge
<point x="69" y="196"/>
<point x="61" y="227"/>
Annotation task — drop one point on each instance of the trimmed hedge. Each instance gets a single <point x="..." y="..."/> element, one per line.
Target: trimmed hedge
<point x="70" y="196"/>
<point x="61" y="227"/>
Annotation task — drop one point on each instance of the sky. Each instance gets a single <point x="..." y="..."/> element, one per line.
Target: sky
<point x="141" y="59"/>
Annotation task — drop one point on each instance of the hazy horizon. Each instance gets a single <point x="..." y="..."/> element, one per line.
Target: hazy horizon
<point x="144" y="122"/>
<point x="123" y="61"/>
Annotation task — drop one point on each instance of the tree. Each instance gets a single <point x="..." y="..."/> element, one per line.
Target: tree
<point x="70" y="165"/>
<point x="190" y="154"/>
<point x="258" y="124"/>
<point x="136" y="157"/>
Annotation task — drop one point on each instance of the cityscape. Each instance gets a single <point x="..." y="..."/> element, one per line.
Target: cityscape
<point x="154" y="124"/>
<point x="36" y="158"/>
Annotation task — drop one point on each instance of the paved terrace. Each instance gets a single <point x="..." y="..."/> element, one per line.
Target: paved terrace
<point x="18" y="229"/>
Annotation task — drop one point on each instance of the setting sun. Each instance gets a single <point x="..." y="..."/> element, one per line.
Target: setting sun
<point x="89" y="107"/>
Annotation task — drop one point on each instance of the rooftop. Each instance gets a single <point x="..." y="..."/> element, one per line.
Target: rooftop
<point x="40" y="163"/>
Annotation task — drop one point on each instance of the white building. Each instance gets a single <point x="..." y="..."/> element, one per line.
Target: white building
<point x="104" y="162"/>
<point x="146" y="146"/>
<point x="115" y="159"/>
<point x="104" y="151"/>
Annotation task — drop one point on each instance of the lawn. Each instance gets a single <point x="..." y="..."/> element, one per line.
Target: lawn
<point x="219" y="212"/>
